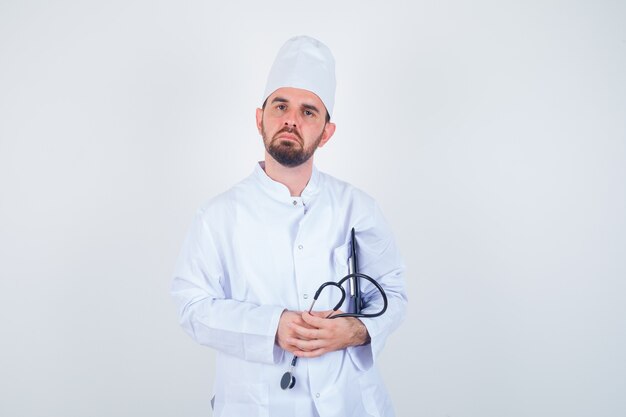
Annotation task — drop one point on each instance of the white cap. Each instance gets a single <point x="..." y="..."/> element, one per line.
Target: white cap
<point x="306" y="63"/>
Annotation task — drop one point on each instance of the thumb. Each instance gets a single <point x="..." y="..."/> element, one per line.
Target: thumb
<point x="325" y="313"/>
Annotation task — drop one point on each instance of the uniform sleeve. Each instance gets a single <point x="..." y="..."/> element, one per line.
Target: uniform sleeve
<point x="238" y="328"/>
<point x="380" y="259"/>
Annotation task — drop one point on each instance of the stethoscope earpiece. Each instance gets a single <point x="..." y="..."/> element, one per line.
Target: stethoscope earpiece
<point x="287" y="381"/>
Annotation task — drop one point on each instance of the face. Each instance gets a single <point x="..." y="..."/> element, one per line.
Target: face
<point x="293" y="125"/>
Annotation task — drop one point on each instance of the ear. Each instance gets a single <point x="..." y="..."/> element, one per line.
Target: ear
<point x="259" y="121"/>
<point x="329" y="131"/>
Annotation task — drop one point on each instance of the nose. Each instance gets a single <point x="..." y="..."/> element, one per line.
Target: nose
<point x="290" y="118"/>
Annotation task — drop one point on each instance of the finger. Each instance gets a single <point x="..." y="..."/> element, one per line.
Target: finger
<point x="293" y="317"/>
<point x="334" y="313"/>
<point x="302" y="323"/>
<point x="309" y="345"/>
<point x="310" y="354"/>
<point x="313" y="320"/>
<point x="326" y="326"/>
<point x="289" y="347"/>
<point x="307" y="333"/>
<point x="321" y="314"/>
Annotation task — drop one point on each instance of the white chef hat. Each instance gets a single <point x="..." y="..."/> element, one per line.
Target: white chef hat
<point x="306" y="63"/>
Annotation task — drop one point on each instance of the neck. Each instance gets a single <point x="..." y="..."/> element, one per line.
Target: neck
<point x="295" y="179"/>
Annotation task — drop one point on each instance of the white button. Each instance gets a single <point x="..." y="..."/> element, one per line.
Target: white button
<point x="305" y="296"/>
<point x="317" y="395"/>
<point x="300" y="247"/>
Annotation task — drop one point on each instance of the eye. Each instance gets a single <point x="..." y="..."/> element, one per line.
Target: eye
<point x="281" y="107"/>
<point x="309" y="113"/>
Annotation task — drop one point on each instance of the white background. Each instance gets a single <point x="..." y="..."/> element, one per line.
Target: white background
<point x="492" y="133"/>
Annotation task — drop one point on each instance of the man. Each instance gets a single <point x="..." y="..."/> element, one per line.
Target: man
<point x="256" y="254"/>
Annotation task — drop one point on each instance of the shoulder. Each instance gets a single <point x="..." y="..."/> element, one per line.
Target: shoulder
<point x="221" y="206"/>
<point x="359" y="209"/>
<point x="344" y="191"/>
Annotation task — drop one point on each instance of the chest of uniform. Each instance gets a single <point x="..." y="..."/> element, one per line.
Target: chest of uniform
<point x="281" y="256"/>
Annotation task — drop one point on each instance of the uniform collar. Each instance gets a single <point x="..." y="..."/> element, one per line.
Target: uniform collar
<point x="280" y="191"/>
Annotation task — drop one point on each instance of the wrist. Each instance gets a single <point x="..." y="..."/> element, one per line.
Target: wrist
<point x="362" y="336"/>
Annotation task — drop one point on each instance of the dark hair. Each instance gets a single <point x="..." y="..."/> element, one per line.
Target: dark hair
<point x="327" y="115"/>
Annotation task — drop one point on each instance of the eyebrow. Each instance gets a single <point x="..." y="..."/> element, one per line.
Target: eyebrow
<point x="311" y="107"/>
<point x="279" y="99"/>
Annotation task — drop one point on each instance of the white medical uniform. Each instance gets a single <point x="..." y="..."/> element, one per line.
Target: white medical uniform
<point x="253" y="252"/>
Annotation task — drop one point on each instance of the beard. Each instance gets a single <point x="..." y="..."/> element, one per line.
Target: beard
<point x="289" y="153"/>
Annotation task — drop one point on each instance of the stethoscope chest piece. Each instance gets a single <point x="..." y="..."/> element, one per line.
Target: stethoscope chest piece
<point x="287" y="381"/>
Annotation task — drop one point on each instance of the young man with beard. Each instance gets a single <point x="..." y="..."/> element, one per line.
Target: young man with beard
<point x="256" y="254"/>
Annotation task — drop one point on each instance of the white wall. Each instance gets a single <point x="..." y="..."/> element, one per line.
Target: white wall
<point x="493" y="134"/>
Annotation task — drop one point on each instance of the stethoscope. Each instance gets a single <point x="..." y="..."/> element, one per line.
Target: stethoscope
<point x="288" y="380"/>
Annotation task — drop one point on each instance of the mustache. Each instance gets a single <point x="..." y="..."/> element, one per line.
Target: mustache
<point x="290" y="130"/>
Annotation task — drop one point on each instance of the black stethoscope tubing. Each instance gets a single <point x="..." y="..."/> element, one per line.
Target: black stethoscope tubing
<point x="288" y="380"/>
<point x="339" y="284"/>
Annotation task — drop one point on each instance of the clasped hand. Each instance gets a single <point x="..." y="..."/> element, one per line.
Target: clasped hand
<point x="309" y="335"/>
